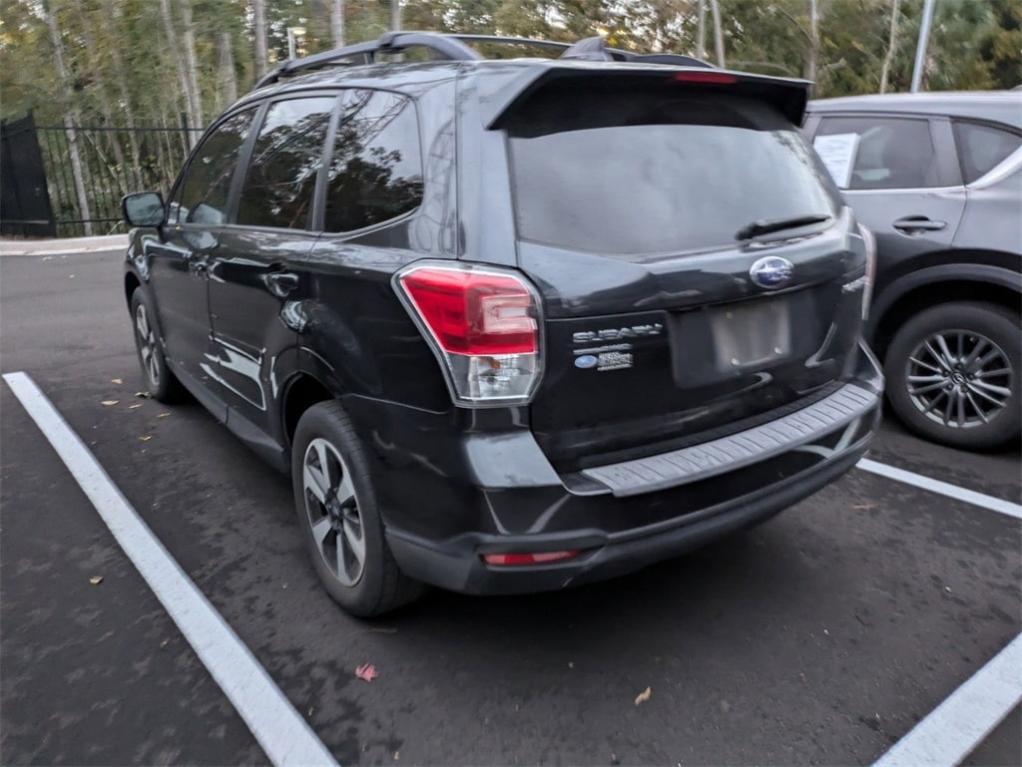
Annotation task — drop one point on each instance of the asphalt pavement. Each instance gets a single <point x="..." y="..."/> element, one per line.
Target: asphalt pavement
<point x="821" y="637"/>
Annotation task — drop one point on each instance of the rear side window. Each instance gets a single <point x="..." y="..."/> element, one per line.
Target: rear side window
<point x="375" y="172"/>
<point x="202" y="198"/>
<point x="286" y="157"/>
<point x="885" y="152"/>
<point x="982" y="147"/>
<point x="636" y="172"/>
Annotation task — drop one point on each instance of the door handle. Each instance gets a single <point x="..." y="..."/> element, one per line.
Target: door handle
<point x="918" y="224"/>
<point x="281" y="284"/>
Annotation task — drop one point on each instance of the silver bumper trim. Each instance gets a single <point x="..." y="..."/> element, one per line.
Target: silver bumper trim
<point x="690" y="464"/>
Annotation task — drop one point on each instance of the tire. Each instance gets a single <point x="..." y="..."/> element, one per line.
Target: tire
<point x="162" y="385"/>
<point x="973" y="382"/>
<point x="331" y="530"/>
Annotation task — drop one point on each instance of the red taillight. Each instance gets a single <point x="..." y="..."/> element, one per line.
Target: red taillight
<point x="474" y="312"/>
<point x="708" y="77"/>
<point x="483" y="324"/>
<point x="535" y="558"/>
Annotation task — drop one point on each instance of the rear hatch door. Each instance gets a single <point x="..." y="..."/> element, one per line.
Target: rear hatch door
<point x="661" y="323"/>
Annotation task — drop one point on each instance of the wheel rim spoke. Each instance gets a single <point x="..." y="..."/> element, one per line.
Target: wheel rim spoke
<point x="320" y="529"/>
<point x="354" y="540"/>
<point x="316" y="483"/>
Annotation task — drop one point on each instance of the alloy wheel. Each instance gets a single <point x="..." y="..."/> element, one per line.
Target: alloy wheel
<point x="333" y="512"/>
<point x="147" y="345"/>
<point x="959" y="378"/>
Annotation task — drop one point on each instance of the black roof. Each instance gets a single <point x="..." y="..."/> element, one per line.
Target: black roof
<point x="999" y="106"/>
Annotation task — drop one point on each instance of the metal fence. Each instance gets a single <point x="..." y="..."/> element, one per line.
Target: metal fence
<point x="86" y="169"/>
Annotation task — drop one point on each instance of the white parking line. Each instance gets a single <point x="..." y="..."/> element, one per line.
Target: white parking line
<point x="936" y="486"/>
<point x="284" y="735"/>
<point x="957" y="726"/>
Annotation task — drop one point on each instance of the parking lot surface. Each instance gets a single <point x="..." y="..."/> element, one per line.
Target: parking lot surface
<point x="821" y="637"/>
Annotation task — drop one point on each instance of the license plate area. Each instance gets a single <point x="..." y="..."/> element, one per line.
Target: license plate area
<point x="752" y="334"/>
<point x="737" y="342"/>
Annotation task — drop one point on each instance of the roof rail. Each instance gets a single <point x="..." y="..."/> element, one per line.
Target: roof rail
<point x="454" y="47"/>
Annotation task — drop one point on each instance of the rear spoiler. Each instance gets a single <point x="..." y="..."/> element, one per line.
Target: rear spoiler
<point x="788" y="96"/>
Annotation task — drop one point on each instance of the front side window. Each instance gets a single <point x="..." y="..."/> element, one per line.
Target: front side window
<point x="202" y="198"/>
<point x="375" y="172"/>
<point x="881" y="152"/>
<point x="287" y="155"/>
<point x="982" y="147"/>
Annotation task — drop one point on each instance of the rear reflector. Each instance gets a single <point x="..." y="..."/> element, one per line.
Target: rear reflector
<point x="483" y="324"/>
<point x="535" y="558"/>
<point x="709" y="78"/>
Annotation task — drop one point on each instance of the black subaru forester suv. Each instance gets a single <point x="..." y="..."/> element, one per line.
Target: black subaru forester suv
<point x="517" y="324"/>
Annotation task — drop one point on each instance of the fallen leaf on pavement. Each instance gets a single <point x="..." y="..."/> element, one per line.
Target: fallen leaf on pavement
<point x="95" y="580"/>
<point x="132" y="407"/>
<point x="643" y="696"/>
<point x="367" y="672"/>
<point x="116" y="381"/>
<point x="145" y="438"/>
<point x="143" y="394"/>
<point x="163" y="415"/>
<point x="109" y="402"/>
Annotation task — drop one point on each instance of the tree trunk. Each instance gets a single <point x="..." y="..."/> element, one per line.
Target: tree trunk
<point x="395" y="15"/>
<point x="701" y="38"/>
<point x="70" y="116"/>
<point x="227" y="80"/>
<point x="121" y="175"/>
<point x="194" y="94"/>
<point x="113" y="12"/>
<point x="814" y="41"/>
<point x="718" y="33"/>
<point x="337" y="22"/>
<point x="892" y="45"/>
<point x="259" y="31"/>
<point x="175" y="54"/>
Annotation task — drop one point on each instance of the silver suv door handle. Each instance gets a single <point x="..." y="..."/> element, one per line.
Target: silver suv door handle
<point x="917" y="224"/>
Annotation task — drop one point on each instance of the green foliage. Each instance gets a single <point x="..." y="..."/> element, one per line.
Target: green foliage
<point x="120" y="65"/>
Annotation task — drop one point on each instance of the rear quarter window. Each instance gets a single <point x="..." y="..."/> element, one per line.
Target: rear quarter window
<point x="981" y="148"/>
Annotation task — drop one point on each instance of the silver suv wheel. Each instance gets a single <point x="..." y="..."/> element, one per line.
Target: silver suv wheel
<point x="959" y="378"/>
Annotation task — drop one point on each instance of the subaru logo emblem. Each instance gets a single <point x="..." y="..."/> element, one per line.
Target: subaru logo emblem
<point x="586" y="361"/>
<point x="771" y="272"/>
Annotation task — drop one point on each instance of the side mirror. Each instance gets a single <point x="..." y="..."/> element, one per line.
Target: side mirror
<point x="143" y="209"/>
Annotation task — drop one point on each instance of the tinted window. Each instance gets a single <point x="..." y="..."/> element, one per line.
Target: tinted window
<point x="889" y="153"/>
<point x="286" y="157"/>
<point x="981" y="147"/>
<point x="202" y="198"/>
<point x="376" y="169"/>
<point x="633" y="172"/>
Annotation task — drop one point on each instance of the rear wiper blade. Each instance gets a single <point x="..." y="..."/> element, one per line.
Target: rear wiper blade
<point x="764" y="226"/>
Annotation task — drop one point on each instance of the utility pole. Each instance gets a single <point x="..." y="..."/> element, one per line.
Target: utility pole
<point x="701" y="42"/>
<point x="924" y="35"/>
<point x="337" y="22"/>
<point x="395" y="15"/>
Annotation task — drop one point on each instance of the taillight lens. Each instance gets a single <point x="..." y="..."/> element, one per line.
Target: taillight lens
<point x="534" y="558"/>
<point x="483" y="325"/>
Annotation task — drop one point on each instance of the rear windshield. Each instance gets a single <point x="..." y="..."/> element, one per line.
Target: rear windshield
<point x="632" y="173"/>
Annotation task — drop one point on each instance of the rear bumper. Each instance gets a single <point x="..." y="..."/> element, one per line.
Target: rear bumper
<point x="457" y="566"/>
<point x="511" y="502"/>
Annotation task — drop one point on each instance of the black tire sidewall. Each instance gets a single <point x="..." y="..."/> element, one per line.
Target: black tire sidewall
<point x="327" y="420"/>
<point x="991" y="321"/>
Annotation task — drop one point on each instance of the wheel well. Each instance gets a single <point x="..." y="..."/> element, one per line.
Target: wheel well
<point x="130" y="284"/>
<point x="303" y="392"/>
<point x="931" y="294"/>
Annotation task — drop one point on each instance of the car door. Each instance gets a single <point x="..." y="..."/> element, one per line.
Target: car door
<point x="178" y="263"/>
<point x="253" y="285"/>
<point x="900" y="175"/>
